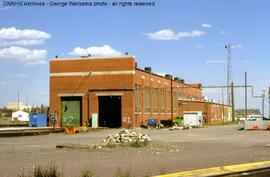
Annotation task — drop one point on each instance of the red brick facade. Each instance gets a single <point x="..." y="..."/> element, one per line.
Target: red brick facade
<point x="213" y="113"/>
<point x="143" y="94"/>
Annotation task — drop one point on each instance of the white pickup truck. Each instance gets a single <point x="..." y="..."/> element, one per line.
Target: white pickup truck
<point x="253" y="117"/>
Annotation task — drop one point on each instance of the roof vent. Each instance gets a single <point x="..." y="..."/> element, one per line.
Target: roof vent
<point x="176" y="78"/>
<point x="86" y="56"/>
<point x="182" y="80"/>
<point x="148" y="69"/>
<point x="168" y="76"/>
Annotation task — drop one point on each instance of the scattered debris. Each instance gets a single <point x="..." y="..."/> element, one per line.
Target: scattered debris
<point x="74" y="146"/>
<point x="125" y="137"/>
<point x="160" y="125"/>
<point x="176" y="128"/>
<point x="157" y="153"/>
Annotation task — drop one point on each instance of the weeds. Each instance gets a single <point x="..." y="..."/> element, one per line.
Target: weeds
<point x="121" y="173"/>
<point x="138" y="143"/>
<point x="110" y="145"/>
<point x="88" y="173"/>
<point x="50" y="171"/>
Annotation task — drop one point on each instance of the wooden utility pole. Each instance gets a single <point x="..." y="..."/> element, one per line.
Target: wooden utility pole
<point x="172" y="99"/>
<point x="269" y="102"/>
<point x="232" y="92"/>
<point x="18" y="100"/>
<point x="263" y="104"/>
<point x="245" y="95"/>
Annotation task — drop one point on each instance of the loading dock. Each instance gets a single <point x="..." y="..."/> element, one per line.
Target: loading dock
<point x="71" y="111"/>
<point x="109" y="108"/>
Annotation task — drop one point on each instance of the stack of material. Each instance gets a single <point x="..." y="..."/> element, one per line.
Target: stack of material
<point x="125" y="137"/>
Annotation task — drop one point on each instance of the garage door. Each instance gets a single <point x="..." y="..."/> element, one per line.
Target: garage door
<point x="71" y="111"/>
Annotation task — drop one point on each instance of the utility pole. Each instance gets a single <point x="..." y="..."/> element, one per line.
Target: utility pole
<point x="263" y="103"/>
<point x="232" y="91"/>
<point x="172" y="99"/>
<point x="269" y="102"/>
<point x="222" y="96"/>
<point x="229" y="74"/>
<point x="18" y="100"/>
<point x="222" y="101"/>
<point x="245" y="95"/>
<point x="27" y="104"/>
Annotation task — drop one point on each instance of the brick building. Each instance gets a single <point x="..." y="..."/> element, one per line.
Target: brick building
<point x="213" y="113"/>
<point x="116" y="90"/>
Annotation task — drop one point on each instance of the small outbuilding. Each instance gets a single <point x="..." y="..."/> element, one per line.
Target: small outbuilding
<point x="20" y="116"/>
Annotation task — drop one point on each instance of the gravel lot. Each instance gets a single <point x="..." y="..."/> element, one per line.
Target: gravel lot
<point x="169" y="151"/>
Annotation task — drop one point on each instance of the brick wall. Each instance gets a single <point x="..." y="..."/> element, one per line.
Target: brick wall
<point x="213" y="113"/>
<point x="91" y="77"/>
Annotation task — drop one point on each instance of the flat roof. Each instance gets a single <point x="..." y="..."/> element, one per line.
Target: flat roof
<point x="89" y="58"/>
<point x="208" y="102"/>
<point x="152" y="73"/>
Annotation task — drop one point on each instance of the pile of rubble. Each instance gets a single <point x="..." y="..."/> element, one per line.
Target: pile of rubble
<point x="125" y="137"/>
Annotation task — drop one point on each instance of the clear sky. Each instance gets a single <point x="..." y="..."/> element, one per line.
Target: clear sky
<point x="183" y="37"/>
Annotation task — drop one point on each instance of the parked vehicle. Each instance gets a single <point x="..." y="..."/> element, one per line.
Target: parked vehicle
<point x="178" y="121"/>
<point x="193" y="118"/>
<point x="253" y="117"/>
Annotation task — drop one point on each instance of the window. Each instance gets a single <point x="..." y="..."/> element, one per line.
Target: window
<point x="168" y="101"/>
<point x="138" y="98"/>
<point x="154" y="96"/>
<point x="147" y="98"/>
<point x="162" y="101"/>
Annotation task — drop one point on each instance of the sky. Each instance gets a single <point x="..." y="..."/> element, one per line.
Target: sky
<point x="182" y="37"/>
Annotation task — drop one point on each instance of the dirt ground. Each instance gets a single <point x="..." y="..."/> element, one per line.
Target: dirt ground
<point x="169" y="151"/>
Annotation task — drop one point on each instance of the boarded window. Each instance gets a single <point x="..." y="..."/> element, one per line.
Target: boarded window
<point x="147" y="99"/>
<point x="168" y="101"/>
<point x="162" y="101"/>
<point x="154" y="96"/>
<point x="138" y="98"/>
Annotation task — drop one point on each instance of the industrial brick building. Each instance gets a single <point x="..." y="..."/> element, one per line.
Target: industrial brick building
<point x="213" y="113"/>
<point x="121" y="94"/>
<point x="115" y="91"/>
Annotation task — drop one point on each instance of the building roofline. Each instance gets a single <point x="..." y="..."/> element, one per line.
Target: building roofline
<point x="165" y="77"/>
<point x="89" y="58"/>
<point x="208" y="102"/>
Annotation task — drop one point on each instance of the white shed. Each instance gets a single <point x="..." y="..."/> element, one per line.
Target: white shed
<point x="20" y="115"/>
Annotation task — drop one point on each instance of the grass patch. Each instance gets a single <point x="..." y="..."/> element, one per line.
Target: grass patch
<point x="110" y="145"/>
<point x="120" y="173"/>
<point x="50" y="171"/>
<point x="138" y="143"/>
<point x="88" y="173"/>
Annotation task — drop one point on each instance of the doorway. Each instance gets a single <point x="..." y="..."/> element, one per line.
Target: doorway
<point x="71" y="111"/>
<point x="109" y="109"/>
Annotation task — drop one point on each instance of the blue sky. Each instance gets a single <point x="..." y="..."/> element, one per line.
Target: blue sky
<point x="183" y="37"/>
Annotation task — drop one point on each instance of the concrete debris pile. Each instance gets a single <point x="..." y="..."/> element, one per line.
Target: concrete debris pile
<point x="186" y="127"/>
<point x="125" y="137"/>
